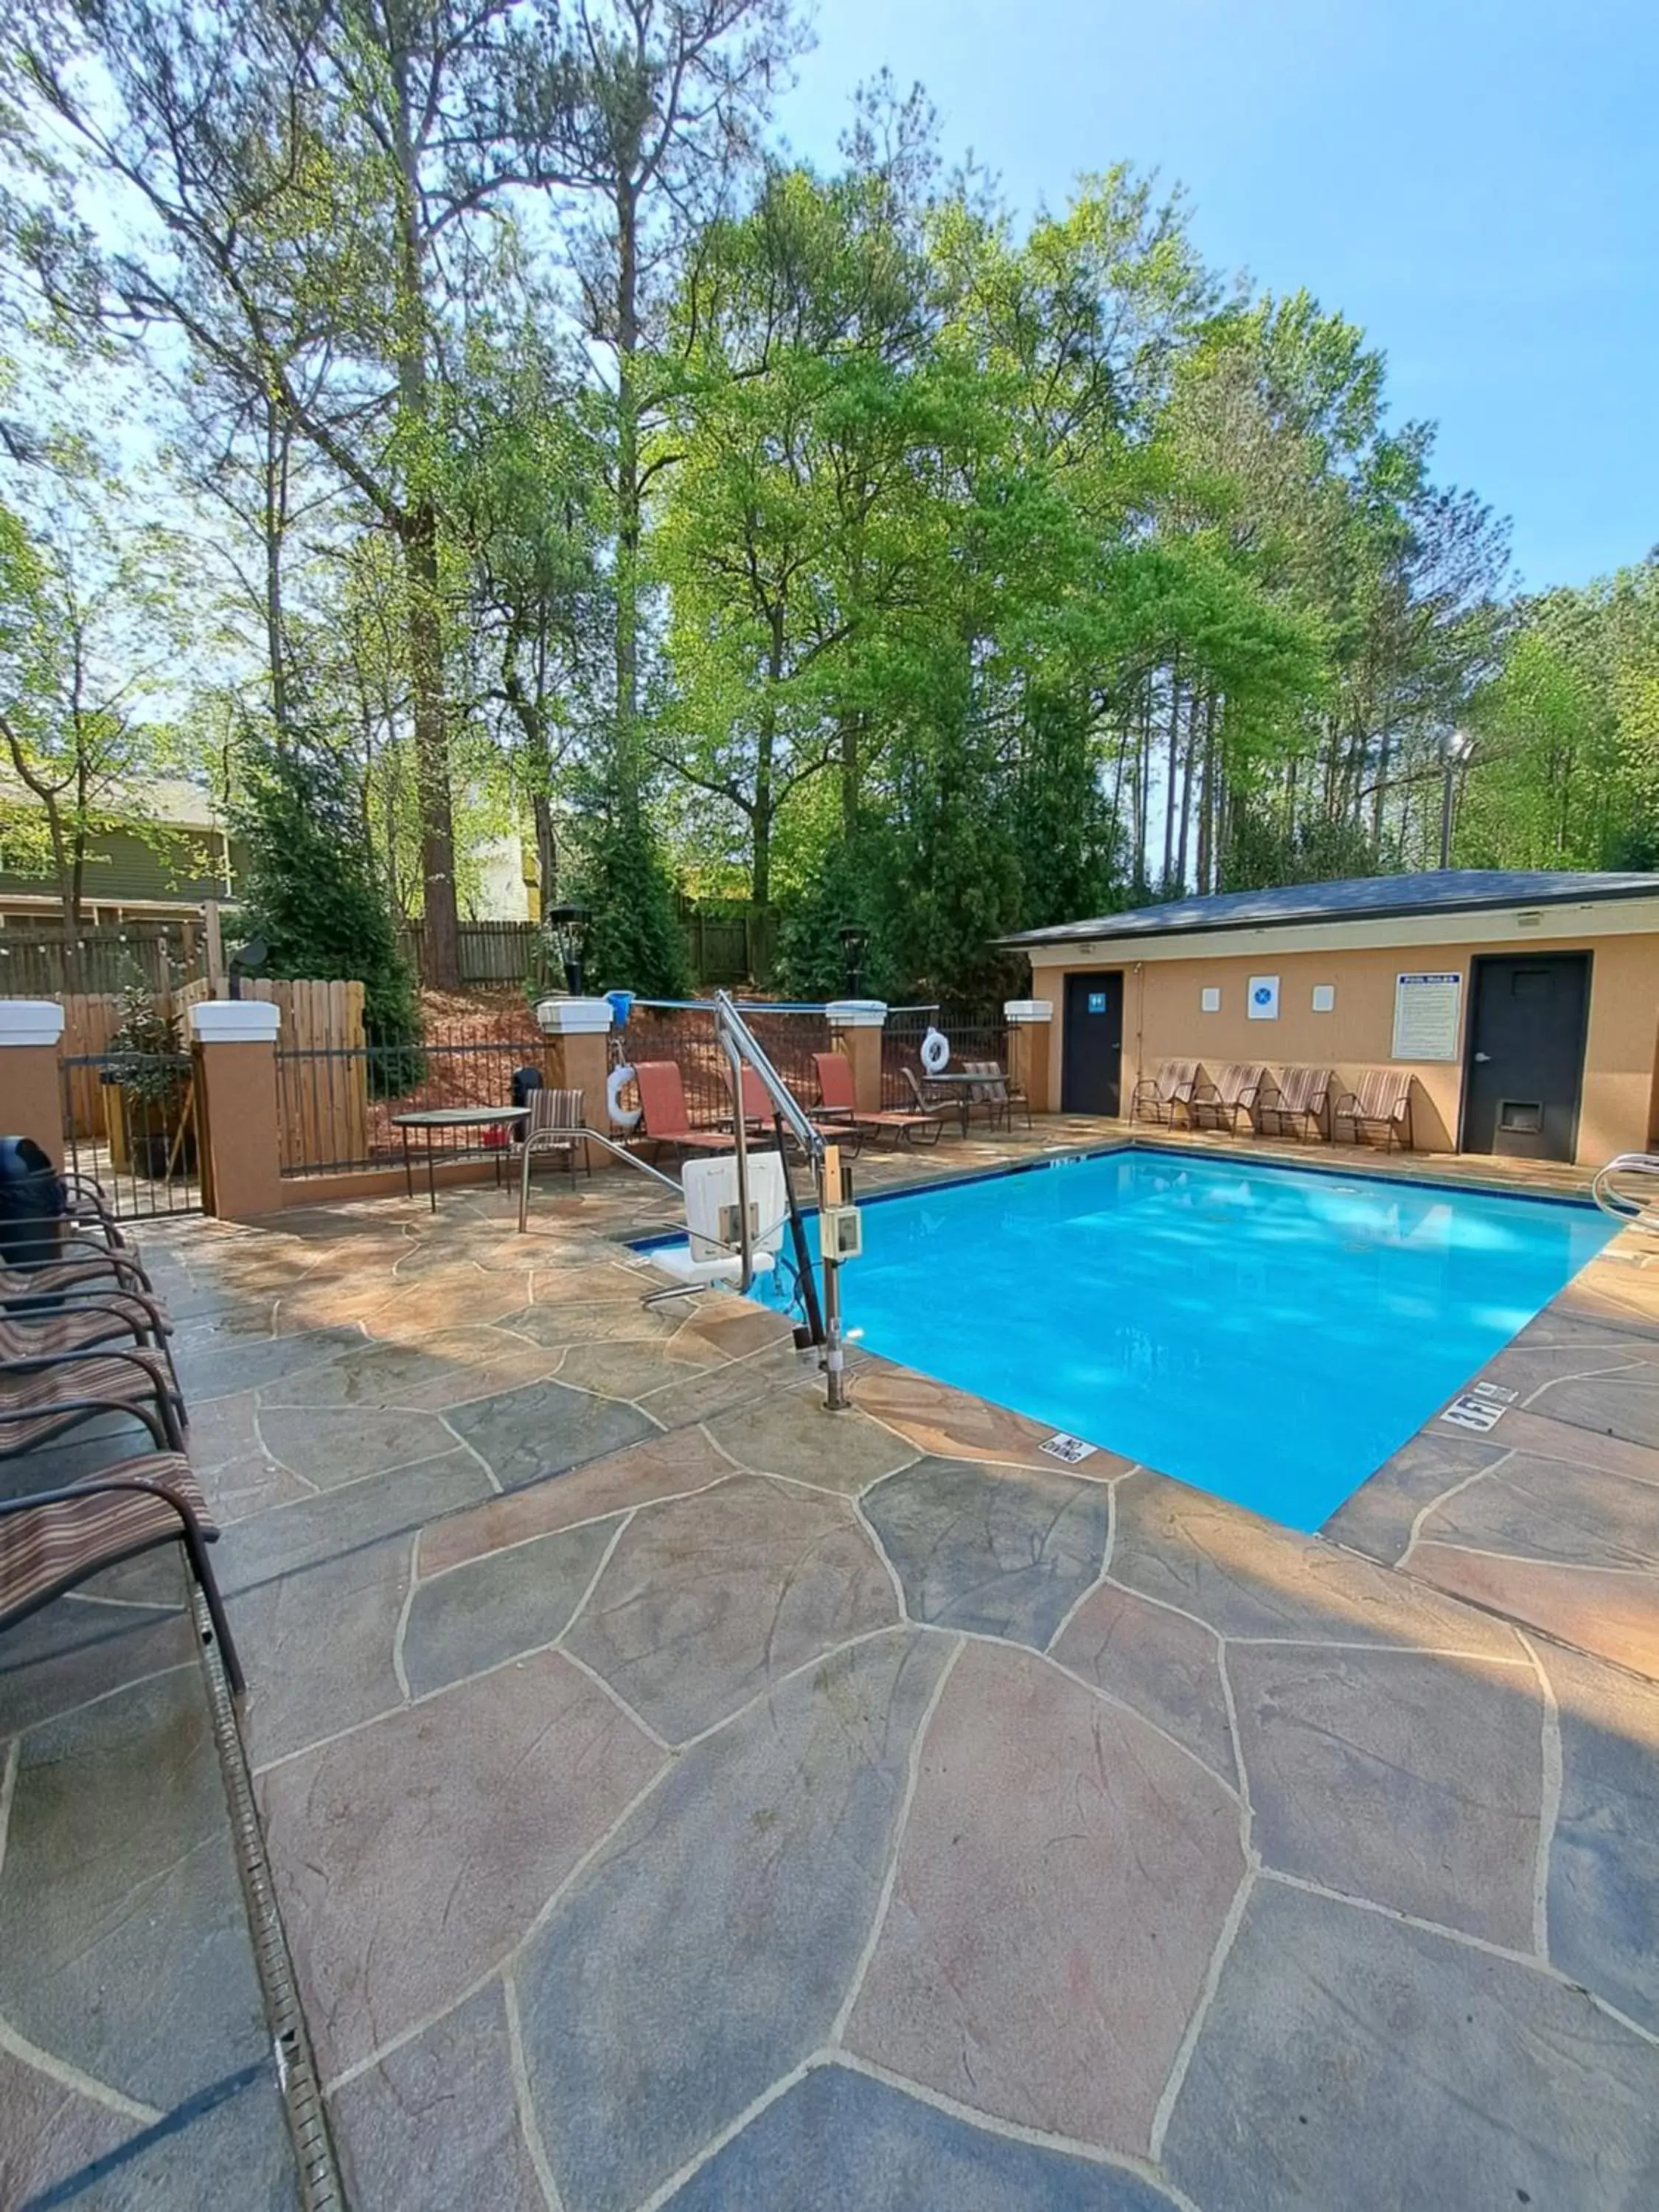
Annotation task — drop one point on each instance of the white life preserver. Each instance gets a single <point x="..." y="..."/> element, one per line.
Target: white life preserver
<point x="936" y="1052"/>
<point x="624" y="1118"/>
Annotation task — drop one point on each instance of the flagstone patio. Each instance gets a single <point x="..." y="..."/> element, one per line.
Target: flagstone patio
<point x="680" y="1795"/>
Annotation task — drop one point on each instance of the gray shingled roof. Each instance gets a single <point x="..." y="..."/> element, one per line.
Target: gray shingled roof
<point x="1356" y="898"/>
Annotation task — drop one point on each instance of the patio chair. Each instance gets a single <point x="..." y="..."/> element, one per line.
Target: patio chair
<point x="57" y="1538"/>
<point x="1230" y="1098"/>
<point x="78" y="1324"/>
<point x="45" y="1395"/>
<point x="1296" y="1105"/>
<point x="838" y="1102"/>
<point x="557" y="1123"/>
<point x="663" y="1117"/>
<point x="1163" y="1097"/>
<point x="758" y="1117"/>
<point x="1380" y="1104"/>
<point x="994" y="1094"/>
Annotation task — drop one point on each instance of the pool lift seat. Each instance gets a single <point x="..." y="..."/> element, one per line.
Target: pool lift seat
<point x="713" y="1252"/>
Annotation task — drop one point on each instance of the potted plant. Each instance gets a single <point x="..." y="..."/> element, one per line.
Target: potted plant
<point x="147" y="1070"/>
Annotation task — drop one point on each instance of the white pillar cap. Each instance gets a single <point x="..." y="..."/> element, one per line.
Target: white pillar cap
<point x="575" y="1016"/>
<point x="857" y="1013"/>
<point x="30" y="1021"/>
<point x="1028" y="1010"/>
<point x="235" y="1021"/>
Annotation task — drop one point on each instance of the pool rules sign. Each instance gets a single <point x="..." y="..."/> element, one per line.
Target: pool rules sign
<point x="1427" y="1010"/>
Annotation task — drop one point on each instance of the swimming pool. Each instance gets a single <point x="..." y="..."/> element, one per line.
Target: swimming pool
<point x="1269" y="1334"/>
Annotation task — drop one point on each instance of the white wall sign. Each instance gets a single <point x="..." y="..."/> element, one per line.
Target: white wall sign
<point x="1209" y="999"/>
<point x="1426" y="1009"/>
<point x="1324" y="998"/>
<point x="1263" y="998"/>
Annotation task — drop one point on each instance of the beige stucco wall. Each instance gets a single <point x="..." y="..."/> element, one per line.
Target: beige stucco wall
<point x="1163" y="1020"/>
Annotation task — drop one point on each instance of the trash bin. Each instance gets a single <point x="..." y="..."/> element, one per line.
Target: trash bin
<point x="525" y="1080"/>
<point x="32" y="1210"/>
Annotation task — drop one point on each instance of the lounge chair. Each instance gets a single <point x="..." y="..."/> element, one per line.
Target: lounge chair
<point x="1167" y="1095"/>
<point x="78" y="1324"/>
<point x="663" y="1117"/>
<point x="1296" y="1105"/>
<point x="1380" y="1104"/>
<point x="43" y="1395"/>
<point x="758" y="1117"/>
<point x="1231" y="1099"/>
<point x="57" y="1538"/>
<point x="838" y="1102"/>
<point x="558" y="1120"/>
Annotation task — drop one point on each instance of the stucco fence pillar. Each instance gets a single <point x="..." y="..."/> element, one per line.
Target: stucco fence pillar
<point x="855" y="1031"/>
<point x="31" y="1079"/>
<point x="234" y="1044"/>
<point x="577" y="1057"/>
<point x="1030" y="1023"/>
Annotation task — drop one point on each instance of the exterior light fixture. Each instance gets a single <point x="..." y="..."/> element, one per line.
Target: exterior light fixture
<point x="566" y="930"/>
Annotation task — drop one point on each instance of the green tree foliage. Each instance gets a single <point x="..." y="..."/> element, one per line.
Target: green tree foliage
<point x="597" y="478"/>
<point x="312" y="890"/>
<point x="634" y="941"/>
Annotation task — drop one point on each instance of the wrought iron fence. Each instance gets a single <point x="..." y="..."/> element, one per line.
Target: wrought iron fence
<point x="684" y="1031"/>
<point x="337" y="1109"/>
<point x="131" y="1124"/>
<point x="972" y="1033"/>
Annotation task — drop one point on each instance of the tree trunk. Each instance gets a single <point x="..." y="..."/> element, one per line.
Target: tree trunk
<point x="426" y="650"/>
<point x="418" y="530"/>
<point x="626" y="765"/>
<point x="275" y="472"/>
<point x="547" y="850"/>
<point x="760" y="880"/>
<point x="1170" y="780"/>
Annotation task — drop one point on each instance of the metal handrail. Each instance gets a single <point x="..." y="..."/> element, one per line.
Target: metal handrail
<point x="1617" y="1205"/>
<point x="741" y="1044"/>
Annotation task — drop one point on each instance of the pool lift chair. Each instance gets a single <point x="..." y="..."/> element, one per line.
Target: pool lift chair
<point x="739" y="1206"/>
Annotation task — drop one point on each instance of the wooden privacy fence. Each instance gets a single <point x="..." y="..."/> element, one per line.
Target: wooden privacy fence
<point x="322" y="1069"/>
<point x="488" y="951"/>
<point x="36" y="962"/>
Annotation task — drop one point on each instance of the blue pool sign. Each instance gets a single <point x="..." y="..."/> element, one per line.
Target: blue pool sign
<point x="1097" y="1002"/>
<point x="1263" y="998"/>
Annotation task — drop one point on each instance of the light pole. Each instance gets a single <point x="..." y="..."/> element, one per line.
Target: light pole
<point x="1452" y="752"/>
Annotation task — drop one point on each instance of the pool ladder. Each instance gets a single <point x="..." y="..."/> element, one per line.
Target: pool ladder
<point x="1636" y="1210"/>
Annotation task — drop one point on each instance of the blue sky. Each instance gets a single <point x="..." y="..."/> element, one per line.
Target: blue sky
<point x="1477" y="184"/>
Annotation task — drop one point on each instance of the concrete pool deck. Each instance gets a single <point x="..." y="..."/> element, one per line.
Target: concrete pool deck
<point x="679" y="1795"/>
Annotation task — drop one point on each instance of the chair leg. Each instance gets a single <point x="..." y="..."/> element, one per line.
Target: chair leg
<point x="524" y="1191"/>
<point x="195" y="1550"/>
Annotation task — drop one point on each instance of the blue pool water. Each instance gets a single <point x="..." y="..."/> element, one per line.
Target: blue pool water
<point x="1269" y="1334"/>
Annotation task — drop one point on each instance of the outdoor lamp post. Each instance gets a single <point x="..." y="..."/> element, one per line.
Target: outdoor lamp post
<point x="1454" y="748"/>
<point x="567" y="926"/>
<point x="853" y="942"/>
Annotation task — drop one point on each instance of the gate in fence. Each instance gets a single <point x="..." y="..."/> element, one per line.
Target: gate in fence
<point x="131" y="1123"/>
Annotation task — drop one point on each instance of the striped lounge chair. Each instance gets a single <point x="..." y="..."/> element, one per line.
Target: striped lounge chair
<point x="1230" y="1101"/>
<point x="53" y="1541"/>
<point x="43" y="1395"/>
<point x="1378" y="1108"/>
<point x="1296" y="1105"/>
<point x="1167" y="1097"/>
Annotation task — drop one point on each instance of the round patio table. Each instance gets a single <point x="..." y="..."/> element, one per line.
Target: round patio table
<point x="433" y="1118"/>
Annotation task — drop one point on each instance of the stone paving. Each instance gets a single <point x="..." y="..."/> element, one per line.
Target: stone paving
<point x="681" y="1796"/>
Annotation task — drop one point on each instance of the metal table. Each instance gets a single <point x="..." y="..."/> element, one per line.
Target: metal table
<point x="432" y="1118"/>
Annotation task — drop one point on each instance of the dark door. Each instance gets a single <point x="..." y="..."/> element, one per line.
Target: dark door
<point x="1091" y="1074"/>
<point x="1526" y="1054"/>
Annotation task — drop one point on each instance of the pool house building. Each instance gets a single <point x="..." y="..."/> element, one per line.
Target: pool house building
<point x="1523" y="1007"/>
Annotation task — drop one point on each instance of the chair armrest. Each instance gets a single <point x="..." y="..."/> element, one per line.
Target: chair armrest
<point x="1196" y="1094"/>
<point x="1348" y="1103"/>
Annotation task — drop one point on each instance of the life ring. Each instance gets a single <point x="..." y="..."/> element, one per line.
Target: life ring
<point x="624" y="1118"/>
<point x="936" y="1052"/>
